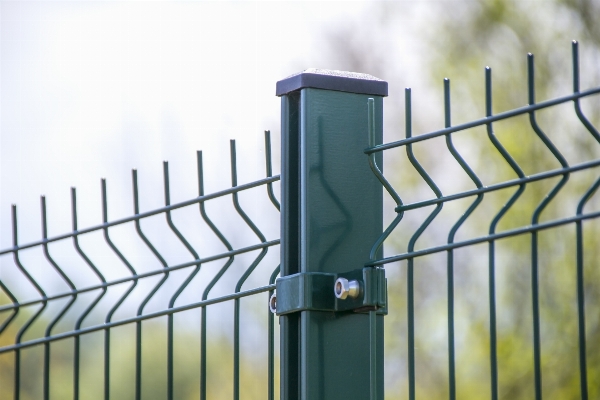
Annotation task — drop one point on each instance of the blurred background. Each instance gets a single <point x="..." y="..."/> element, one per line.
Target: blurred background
<point x="94" y="89"/>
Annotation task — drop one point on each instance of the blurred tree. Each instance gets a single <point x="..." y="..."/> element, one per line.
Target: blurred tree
<point x="253" y="371"/>
<point x="457" y="40"/>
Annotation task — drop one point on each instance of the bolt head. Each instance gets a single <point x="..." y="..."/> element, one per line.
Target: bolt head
<point x="341" y="288"/>
<point x="273" y="303"/>
<point x="344" y="289"/>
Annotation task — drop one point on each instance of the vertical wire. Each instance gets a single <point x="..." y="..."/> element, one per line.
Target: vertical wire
<point x="271" y="316"/>
<point x="450" y="267"/>
<point x="140" y="310"/>
<point x="581" y="294"/>
<point x="492" y="266"/>
<point x="492" y="262"/>
<point x="534" y="234"/>
<point x="107" y="364"/>
<point x="46" y="383"/>
<point x="579" y="227"/>
<point x="271" y="343"/>
<point x="35" y="316"/>
<point x="451" y="235"/>
<point x="77" y="355"/>
<point x="492" y="258"/>
<point x="411" y="247"/>
<point x="213" y="282"/>
<point x="410" y="280"/>
<point x="121" y="299"/>
<point x="170" y="317"/>
<point x="245" y="275"/>
<point x="379" y="242"/>
<point x="236" y="312"/>
<point x="373" y="354"/>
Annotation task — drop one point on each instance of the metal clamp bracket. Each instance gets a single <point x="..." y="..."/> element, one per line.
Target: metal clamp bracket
<point x="319" y="291"/>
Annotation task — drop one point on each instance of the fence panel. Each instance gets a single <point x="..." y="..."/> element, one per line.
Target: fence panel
<point x="128" y="335"/>
<point x="54" y="319"/>
<point x="569" y="211"/>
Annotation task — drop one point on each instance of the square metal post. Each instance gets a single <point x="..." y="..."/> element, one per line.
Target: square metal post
<point x="331" y="216"/>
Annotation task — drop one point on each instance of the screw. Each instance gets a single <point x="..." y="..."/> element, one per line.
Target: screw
<point x="344" y="288"/>
<point x="273" y="303"/>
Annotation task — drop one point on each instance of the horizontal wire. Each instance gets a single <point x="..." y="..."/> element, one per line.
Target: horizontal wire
<point x="482" y="239"/>
<point x="157" y="314"/>
<point x="145" y="275"/>
<point x="503" y="185"/>
<point x="483" y="121"/>
<point x="196" y="200"/>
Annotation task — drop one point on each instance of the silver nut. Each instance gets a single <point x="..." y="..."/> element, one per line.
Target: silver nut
<point x="344" y="288"/>
<point x="273" y="303"/>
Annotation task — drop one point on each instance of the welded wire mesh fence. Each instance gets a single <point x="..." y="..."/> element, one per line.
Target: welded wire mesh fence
<point x="513" y="220"/>
<point x="563" y="251"/>
<point x="55" y="319"/>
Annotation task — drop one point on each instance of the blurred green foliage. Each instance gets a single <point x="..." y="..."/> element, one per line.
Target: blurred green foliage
<point x="122" y="366"/>
<point x="408" y="43"/>
<point x="467" y="37"/>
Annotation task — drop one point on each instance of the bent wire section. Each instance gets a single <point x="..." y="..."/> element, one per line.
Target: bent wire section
<point x="20" y="318"/>
<point x="519" y="183"/>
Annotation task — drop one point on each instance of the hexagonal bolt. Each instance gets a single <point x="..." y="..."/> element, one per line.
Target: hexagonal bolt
<point x="273" y="303"/>
<point x="344" y="288"/>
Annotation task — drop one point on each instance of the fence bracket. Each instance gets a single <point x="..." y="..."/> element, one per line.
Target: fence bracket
<point x="316" y="291"/>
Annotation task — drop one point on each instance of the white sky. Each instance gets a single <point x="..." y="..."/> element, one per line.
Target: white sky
<point x="93" y="89"/>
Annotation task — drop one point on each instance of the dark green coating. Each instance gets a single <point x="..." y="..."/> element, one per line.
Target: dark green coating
<point x="314" y="291"/>
<point x="520" y="185"/>
<point x="331" y="216"/>
<point x="305" y="291"/>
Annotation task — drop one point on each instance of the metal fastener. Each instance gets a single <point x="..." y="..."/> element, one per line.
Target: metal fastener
<point x="273" y="303"/>
<point x="344" y="288"/>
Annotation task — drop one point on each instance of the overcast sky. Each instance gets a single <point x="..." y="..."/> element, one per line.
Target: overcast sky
<point x="94" y="89"/>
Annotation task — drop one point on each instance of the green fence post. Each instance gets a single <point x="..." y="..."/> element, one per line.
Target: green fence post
<point x="331" y="216"/>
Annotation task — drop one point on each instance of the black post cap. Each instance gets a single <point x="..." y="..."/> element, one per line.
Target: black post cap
<point x="328" y="79"/>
